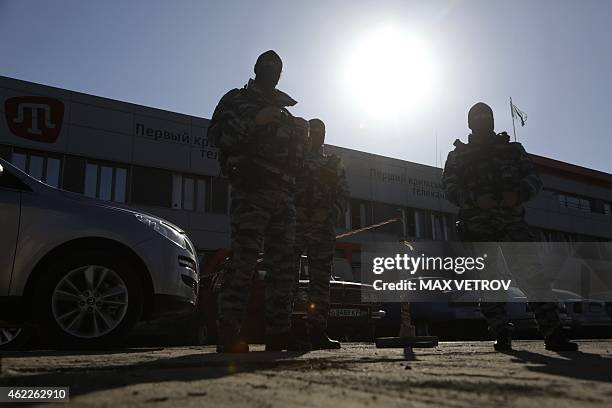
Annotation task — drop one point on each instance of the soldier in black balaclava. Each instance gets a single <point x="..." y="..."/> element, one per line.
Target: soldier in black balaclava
<point x="490" y="179"/>
<point x="480" y="119"/>
<point x="260" y="151"/>
<point x="268" y="68"/>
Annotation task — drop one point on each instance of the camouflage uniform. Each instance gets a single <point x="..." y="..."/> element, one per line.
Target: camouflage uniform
<point x="261" y="162"/>
<point x="492" y="166"/>
<point x="321" y="189"/>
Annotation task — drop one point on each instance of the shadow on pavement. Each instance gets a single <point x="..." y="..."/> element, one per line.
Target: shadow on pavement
<point x="194" y="367"/>
<point x="75" y="352"/>
<point x="578" y="365"/>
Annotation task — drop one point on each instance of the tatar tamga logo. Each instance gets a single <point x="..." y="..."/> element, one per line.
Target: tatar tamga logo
<point x="35" y="117"/>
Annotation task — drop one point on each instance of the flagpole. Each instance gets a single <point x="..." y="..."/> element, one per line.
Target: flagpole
<point x="512" y="114"/>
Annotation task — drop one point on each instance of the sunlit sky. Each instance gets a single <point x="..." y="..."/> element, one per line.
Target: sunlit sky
<point x="385" y="76"/>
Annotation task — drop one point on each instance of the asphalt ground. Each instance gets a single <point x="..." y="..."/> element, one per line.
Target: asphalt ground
<point x="455" y="374"/>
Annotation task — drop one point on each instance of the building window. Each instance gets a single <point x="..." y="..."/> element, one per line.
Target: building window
<point x="210" y="194"/>
<point x="574" y="203"/>
<point x="439" y="227"/>
<point x="356" y="214"/>
<point x="201" y="195"/>
<point x="422" y="220"/>
<point x="409" y="220"/>
<point x="451" y="227"/>
<point x="361" y="214"/>
<point x="45" y="169"/>
<point x="105" y="182"/>
<point x="346" y="223"/>
<point x="188" y="193"/>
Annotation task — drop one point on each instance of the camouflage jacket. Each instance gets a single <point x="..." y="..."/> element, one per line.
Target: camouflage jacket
<point x="491" y="166"/>
<point x="274" y="148"/>
<point x="322" y="184"/>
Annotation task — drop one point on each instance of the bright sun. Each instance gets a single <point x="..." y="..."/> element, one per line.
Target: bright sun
<point x="390" y="73"/>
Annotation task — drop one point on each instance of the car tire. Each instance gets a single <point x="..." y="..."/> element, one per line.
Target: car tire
<point x="88" y="299"/>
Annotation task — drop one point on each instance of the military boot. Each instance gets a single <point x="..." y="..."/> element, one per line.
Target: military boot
<point x="503" y="337"/>
<point x="320" y="340"/>
<point x="286" y="341"/>
<point x="558" y="341"/>
<point x="229" y="341"/>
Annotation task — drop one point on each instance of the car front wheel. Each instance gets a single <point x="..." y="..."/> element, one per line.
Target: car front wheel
<point x="91" y="299"/>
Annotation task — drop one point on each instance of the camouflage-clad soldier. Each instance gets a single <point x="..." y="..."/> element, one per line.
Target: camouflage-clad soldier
<point x="490" y="179"/>
<point x="320" y="200"/>
<point x="261" y="148"/>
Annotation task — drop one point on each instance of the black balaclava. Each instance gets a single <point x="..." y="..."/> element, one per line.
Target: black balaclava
<point x="480" y="119"/>
<point x="268" y="70"/>
<point x="317" y="134"/>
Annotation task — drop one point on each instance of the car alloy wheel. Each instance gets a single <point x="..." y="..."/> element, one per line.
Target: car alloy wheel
<point x="90" y="301"/>
<point x="8" y="334"/>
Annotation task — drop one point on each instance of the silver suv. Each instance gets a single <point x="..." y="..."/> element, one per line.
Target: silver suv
<point x="83" y="271"/>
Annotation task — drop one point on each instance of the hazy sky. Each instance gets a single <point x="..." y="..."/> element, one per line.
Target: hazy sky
<point x="553" y="57"/>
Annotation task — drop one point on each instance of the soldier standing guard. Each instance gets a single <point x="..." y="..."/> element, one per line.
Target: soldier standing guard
<point x="320" y="200"/>
<point x="490" y="179"/>
<point x="261" y="148"/>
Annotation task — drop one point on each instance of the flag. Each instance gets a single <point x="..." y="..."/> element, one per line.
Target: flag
<point x="517" y="113"/>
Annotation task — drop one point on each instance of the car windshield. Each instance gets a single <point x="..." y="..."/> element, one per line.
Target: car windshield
<point x="14" y="170"/>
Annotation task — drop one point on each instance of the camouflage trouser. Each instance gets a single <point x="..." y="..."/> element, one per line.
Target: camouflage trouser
<point x="524" y="268"/>
<point x="317" y="241"/>
<point x="260" y="217"/>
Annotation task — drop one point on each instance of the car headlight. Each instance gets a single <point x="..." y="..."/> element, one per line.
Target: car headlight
<point x="163" y="229"/>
